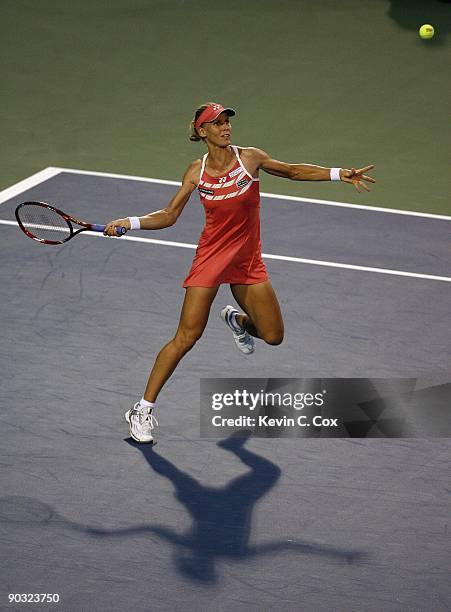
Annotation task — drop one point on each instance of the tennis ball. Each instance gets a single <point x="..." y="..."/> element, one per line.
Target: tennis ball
<point x="426" y="31"/>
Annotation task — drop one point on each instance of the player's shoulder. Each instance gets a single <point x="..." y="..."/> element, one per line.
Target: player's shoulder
<point x="195" y="165"/>
<point x="252" y="154"/>
<point x="192" y="173"/>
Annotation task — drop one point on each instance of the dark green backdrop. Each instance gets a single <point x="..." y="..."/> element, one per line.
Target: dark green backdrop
<point x="110" y="85"/>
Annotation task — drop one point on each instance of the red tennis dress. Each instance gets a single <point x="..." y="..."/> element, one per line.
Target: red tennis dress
<point x="229" y="249"/>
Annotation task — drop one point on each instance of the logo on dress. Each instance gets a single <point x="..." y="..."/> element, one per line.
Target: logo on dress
<point x="206" y="191"/>
<point x="235" y="172"/>
<point x="244" y="181"/>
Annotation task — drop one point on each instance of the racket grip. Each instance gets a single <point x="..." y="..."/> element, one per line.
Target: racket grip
<point x="101" y="228"/>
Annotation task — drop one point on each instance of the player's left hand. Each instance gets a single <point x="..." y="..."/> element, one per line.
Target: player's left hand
<point x="357" y="177"/>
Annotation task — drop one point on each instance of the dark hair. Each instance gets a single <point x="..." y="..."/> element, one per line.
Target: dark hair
<point x="193" y="135"/>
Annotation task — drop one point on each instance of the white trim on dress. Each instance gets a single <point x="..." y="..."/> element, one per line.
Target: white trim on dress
<point x="204" y="159"/>
<point x="242" y="165"/>
<point x="235" y="150"/>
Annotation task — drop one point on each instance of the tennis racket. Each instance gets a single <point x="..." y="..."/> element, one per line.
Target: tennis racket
<point x="49" y="225"/>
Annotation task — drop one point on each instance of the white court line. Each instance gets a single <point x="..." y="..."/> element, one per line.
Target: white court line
<point x="50" y="172"/>
<point x="28" y="183"/>
<point x="276" y="196"/>
<point x="314" y="262"/>
<point x="54" y="171"/>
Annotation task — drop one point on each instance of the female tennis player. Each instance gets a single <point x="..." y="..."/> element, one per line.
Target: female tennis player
<point x="229" y="249"/>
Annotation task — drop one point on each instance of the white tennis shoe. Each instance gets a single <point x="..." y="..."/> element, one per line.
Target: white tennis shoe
<point x="142" y="423"/>
<point x="243" y="340"/>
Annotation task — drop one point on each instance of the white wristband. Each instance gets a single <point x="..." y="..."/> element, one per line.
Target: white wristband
<point x="134" y="223"/>
<point x="335" y="174"/>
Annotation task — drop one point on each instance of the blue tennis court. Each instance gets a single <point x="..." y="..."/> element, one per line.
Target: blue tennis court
<point x="196" y="524"/>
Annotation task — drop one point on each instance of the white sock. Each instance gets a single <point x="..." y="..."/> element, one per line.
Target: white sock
<point x="145" y="405"/>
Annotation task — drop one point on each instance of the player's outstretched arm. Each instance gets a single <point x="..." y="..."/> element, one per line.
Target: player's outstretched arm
<point x="310" y="172"/>
<point x="159" y="219"/>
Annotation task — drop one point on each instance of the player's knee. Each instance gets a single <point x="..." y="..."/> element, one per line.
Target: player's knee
<point x="186" y="339"/>
<point x="273" y="337"/>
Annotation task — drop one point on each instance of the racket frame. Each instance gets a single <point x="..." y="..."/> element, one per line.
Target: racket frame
<point x="93" y="227"/>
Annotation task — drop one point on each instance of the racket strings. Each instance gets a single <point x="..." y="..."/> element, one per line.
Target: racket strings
<point x="44" y="223"/>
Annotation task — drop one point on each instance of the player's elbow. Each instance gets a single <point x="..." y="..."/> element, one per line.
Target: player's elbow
<point x="293" y="172"/>
<point x="171" y="217"/>
<point x="301" y="172"/>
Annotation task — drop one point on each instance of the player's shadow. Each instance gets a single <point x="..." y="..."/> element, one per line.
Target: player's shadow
<point x="411" y="14"/>
<point x="221" y="516"/>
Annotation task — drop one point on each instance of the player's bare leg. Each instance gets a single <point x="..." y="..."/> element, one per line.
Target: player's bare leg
<point x="262" y="316"/>
<point x="193" y="319"/>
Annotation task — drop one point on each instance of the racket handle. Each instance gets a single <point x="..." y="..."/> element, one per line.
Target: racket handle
<point x="101" y="228"/>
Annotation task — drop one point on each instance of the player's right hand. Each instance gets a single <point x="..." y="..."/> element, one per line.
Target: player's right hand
<point x="110" y="229"/>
